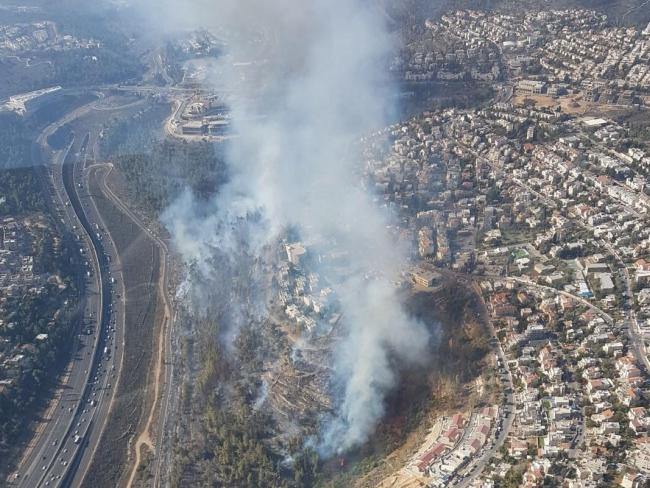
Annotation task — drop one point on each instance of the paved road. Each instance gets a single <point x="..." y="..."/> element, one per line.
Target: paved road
<point x="630" y="321"/>
<point x="150" y="437"/>
<point x="471" y="472"/>
<point x="61" y="452"/>
<point x="163" y="388"/>
<point x="634" y="332"/>
<point x="100" y="389"/>
<point x="474" y="471"/>
<point x="52" y="458"/>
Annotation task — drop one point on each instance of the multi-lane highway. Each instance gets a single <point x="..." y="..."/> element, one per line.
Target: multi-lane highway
<point x="97" y="399"/>
<point x="57" y="455"/>
<point x="67" y="439"/>
<point x="162" y="387"/>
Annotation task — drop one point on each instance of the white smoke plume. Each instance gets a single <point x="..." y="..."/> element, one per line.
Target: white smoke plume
<point x="317" y="84"/>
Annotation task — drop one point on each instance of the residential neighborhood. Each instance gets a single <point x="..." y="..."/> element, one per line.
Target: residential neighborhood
<point x="543" y="206"/>
<point x="33" y="306"/>
<point x="333" y="243"/>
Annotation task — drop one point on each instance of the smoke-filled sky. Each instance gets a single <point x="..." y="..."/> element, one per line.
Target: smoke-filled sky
<point x="319" y="81"/>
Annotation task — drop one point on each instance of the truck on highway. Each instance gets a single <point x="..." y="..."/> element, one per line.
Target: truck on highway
<point x="77" y="439"/>
<point x="105" y="351"/>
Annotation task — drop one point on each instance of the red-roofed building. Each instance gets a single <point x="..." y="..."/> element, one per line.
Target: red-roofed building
<point x="475" y="445"/>
<point x="483" y="429"/>
<point x="458" y="420"/>
<point x="429" y="456"/>
<point x="517" y="448"/>
<point x="642" y="264"/>
<point x="452" y="435"/>
<point x="602" y="182"/>
<point x="490" y="412"/>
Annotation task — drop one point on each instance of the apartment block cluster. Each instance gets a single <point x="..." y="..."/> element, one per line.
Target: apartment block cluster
<point x="448" y="52"/>
<point x="460" y="438"/>
<point x="549" y="211"/>
<point x="18" y="279"/>
<point x="444" y="171"/>
<point x="198" y="43"/>
<point x="304" y="297"/>
<point x="23" y="38"/>
<point x="610" y="64"/>
<point x="555" y="53"/>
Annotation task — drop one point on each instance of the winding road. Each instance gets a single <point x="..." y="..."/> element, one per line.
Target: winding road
<point x="162" y="373"/>
<point x="66" y="440"/>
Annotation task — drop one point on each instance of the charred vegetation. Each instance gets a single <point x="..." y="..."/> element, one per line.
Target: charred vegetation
<point x="254" y="408"/>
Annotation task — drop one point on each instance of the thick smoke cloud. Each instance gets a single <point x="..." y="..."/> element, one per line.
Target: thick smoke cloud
<point x="317" y="85"/>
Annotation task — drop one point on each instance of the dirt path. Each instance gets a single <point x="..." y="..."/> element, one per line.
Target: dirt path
<point x="144" y="439"/>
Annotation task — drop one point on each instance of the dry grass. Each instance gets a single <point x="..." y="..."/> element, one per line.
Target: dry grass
<point x="140" y="265"/>
<point x="573" y="105"/>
